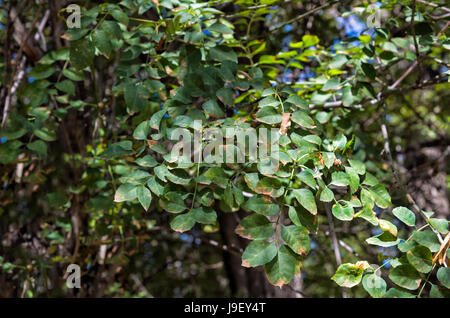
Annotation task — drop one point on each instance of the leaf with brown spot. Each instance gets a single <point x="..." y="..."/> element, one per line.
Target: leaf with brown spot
<point x="255" y="227"/>
<point x="258" y="253"/>
<point x="405" y="276"/>
<point x="282" y="269"/>
<point x="183" y="222"/>
<point x="420" y="257"/>
<point x="262" y="204"/>
<point x="269" y="186"/>
<point x="297" y="238"/>
<point x="306" y="198"/>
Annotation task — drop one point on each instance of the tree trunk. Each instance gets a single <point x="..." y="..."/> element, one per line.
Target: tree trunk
<point x="426" y="176"/>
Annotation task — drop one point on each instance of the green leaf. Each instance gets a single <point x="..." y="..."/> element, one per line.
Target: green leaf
<point x="397" y="293"/>
<point x="66" y="86"/>
<point x="144" y="197"/>
<point x="313" y="139"/>
<point x="118" y="149"/>
<point x="427" y="238"/>
<point x="307" y="177"/>
<point x="178" y="176"/>
<point x="297" y="238"/>
<point x="384" y="239"/>
<point x="349" y="275"/>
<point x="349" y="96"/>
<point x="332" y="84"/>
<point x="156" y="118"/>
<point x="338" y="61"/>
<point x="326" y="195"/>
<point x="440" y="225"/>
<point x="204" y="215"/>
<point x="298" y="101"/>
<point x="161" y="172"/>
<point x="136" y="96"/>
<point x="443" y="274"/>
<point x="405" y="276"/>
<point x="269" y="186"/>
<point x="147" y="161"/>
<point x="328" y="159"/>
<point x="405" y="215"/>
<point x="102" y="41"/>
<point x="343" y="213"/>
<point x="368" y="214"/>
<point x="173" y="202"/>
<point x="439" y="292"/>
<point x="223" y="53"/>
<point x="255" y="227"/>
<point x="225" y="95"/>
<point x="216" y="175"/>
<point x="359" y="166"/>
<point x="258" y="253"/>
<point x="406" y="246"/>
<point x="303" y="119"/>
<point x="374" y="285"/>
<point x="120" y="16"/>
<point x="388" y="226"/>
<point x="125" y="192"/>
<point x="381" y="196"/>
<point x="306" y="198"/>
<point x="353" y="179"/>
<point x="141" y="131"/>
<point x="183" y="222"/>
<point x="301" y="217"/>
<point x="420" y="257"/>
<point x="268" y="101"/>
<point x="39" y="147"/>
<point x="309" y="40"/>
<point x="268" y="115"/>
<point x="320" y="98"/>
<point x="155" y="186"/>
<point x="340" y="179"/>
<point x="220" y="28"/>
<point x="281" y="270"/>
<point x="213" y="109"/>
<point x="42" y="71"/>
<point x="262" y="204"/>
<point x="82" y="53"/>
<point x="368" y="70"/>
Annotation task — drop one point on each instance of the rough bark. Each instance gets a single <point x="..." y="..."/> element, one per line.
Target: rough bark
<point x="426" y="177"/>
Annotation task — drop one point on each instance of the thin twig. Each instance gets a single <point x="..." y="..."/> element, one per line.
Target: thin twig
<point x="434" y="5"/>
<point x="17" y="71"/>
<point x="411" y="68"/>
<point x="296" y="291"/>
<point x="223" y="247"/>
<point x="12" y="91"/>
<point x="416" y="45"/>
<point x="304" y="15"/>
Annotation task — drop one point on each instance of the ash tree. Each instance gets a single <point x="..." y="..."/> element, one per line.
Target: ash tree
<point x="353" y="202"/>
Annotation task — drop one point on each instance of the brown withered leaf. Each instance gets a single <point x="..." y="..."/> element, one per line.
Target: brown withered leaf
<point x="441" y="255"/>
<point x="285" y="123"/>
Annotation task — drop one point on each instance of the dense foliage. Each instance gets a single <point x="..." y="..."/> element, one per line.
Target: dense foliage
<point x="88" y="175"/>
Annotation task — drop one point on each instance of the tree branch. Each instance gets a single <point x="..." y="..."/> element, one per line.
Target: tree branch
<point x="416" y="45"/>
<point x="304" y="15"/>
